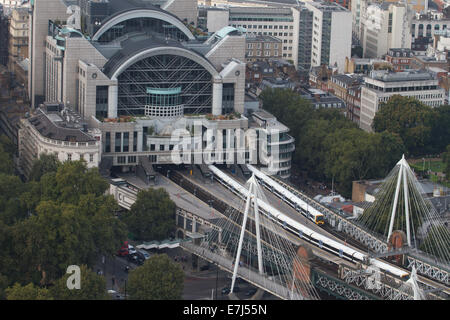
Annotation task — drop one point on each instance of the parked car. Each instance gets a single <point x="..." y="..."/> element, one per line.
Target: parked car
<point x="123" y="251"/>
<point x="132" y="258"/>
<point x="143" y="254"/>
<point x="131" y="249"/>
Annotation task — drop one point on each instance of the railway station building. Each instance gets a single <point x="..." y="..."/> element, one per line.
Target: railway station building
<point x="138" y="72"/>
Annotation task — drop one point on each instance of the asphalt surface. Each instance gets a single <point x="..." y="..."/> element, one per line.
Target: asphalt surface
<point x="198" y="285"/>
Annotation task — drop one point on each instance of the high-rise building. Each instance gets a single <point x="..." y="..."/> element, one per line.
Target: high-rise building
<point x="381" y="85"/>
<point x="331" y="34"/>
<point x="384" y="26"/>
<point x="18" y="44"/>
<point x="312" y="33"/>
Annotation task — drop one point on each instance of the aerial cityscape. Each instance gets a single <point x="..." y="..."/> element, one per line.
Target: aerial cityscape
<point x="236" y="150"/>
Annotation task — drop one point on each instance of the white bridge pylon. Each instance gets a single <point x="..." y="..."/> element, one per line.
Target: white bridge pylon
<point x="401" y="173"/>
<point x="251" y="199"/>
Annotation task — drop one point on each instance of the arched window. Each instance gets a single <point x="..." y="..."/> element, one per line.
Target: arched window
<point x="428" y="30"/>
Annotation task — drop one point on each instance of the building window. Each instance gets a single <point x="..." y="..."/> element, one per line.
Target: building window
<point x="135" y="138"/>
<point x="126" y="141"/>
<point x="132" y="159"/>
<point x="69" y="157"/>
<point x="91" y="158"/>
<point x="121" y="159"/>
<point x="101" y="102"/>
<point x="118" y="141"/>
<point x="108" y="142"/>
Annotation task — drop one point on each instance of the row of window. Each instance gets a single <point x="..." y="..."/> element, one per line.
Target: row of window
<point x="121" y="142"/>
<point x="259" y="45"/>
<point x="88" y="157"/>
<point x="258" y="53"/>
<point x="261" y="19"/>
<point x="123" y="159"/>
<point x="263" y="27"/>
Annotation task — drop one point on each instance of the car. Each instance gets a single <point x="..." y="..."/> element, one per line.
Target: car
<point x="131" y="249"/>
<point x="123" y="251"/>
<point x="143" y="254"/>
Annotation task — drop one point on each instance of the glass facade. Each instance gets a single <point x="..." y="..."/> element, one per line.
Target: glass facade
<point x="147" y="25"/>
<point x="164" y="81"/>
<point x="101" y="102"/>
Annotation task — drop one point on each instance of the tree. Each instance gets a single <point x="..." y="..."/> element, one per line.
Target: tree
<point x="353" y="154"/>
<point x="62" y="234"/>
<point x="157" y="279"/>
<point x="12" y="208"/>
<point x="3" y="286"/>
<point x="70" y="221"/>
<point x="93" y="287"/>
<point x="28" y="292"/>
<point x="45" y="164"/>
<point x="152" y="216"/>
<point x="446" y="159"/>
<point x="6" y="161"/>
<point x="410" y="119"/>
<point x="440" y="128"/>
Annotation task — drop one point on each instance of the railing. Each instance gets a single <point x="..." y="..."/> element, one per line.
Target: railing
<point x="251" y="276"/>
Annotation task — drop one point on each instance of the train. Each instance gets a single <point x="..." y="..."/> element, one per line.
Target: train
<point x="303" y="232"/>
<point x="295" y="202"/>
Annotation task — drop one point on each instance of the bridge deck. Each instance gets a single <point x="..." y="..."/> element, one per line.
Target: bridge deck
<point x="247" y="274"/>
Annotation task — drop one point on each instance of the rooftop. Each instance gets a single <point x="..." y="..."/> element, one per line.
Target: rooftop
<point x="410" y="75"/>
<point x="262" y="38"/>
<point x="64" y="125"/>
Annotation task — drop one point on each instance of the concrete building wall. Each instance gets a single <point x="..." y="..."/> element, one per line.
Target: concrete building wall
<point x="87" y="96"/>
<point x="42" y="12"/>
<point x="227" y="48"/>
<point x="32" y="144"/>
<point x="217" y="19"/>
<point x="76" y="49"/>
<point x="341" y="39"/>
<point x="371" y="99"/>
<point x="183" y="9"/>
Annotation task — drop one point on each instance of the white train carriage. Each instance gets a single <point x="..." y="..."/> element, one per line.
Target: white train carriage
<point x="294" y="201"/>
<point x="302" y="231"/>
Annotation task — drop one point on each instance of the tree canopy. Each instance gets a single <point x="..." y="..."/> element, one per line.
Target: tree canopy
<point x="330" y="146"/>
<point x="424" y="130"/>
<point x="63" y="219"/>
<point x="45" y="164"/>
<point x="93" y="287"/>
<point x="157" y="279"/>
<point x="28" y="292"/>
<point x="446" y="159"/>
<point x="152" y="216"/>
<point x="6" y="155"/>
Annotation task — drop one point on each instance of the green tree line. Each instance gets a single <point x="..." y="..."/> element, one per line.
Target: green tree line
<point x="330" y="146"/>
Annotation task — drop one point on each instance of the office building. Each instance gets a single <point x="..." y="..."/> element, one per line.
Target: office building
<point x="380" y="85"/>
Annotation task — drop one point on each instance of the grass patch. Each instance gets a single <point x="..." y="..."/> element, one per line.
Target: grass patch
<point x="434" y="166"/>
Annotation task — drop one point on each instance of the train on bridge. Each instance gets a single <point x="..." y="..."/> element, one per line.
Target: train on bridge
<point x="298" y="229"/>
